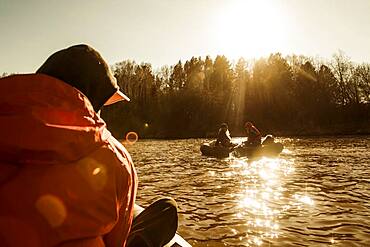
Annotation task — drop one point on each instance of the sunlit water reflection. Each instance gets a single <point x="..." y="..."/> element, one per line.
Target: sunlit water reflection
<point x="315" y="194"/>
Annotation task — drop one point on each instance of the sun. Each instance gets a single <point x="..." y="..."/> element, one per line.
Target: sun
<point x="249" y="28"/>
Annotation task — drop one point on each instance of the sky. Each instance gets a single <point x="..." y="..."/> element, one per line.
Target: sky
<point x="162" y="32"/>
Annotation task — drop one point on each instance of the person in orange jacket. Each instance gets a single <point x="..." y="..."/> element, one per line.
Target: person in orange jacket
<point x="64" y="179"/>
<point x="253" y="134"/>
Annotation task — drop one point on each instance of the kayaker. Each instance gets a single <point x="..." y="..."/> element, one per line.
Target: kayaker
<point x="223" y="137"/>
<point x="253" y="134"/>
<point x="64" y="179"/>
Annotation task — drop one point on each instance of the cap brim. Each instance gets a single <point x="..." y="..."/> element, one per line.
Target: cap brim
<point x="118" y="96"/>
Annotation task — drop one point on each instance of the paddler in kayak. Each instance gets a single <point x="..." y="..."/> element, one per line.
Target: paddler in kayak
<point x="223" y="137"/>
<point x="64" y="179"/>
<point x="253" y="135"/>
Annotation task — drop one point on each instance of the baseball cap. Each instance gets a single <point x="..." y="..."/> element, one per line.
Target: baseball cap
<point x="82" y="67"/>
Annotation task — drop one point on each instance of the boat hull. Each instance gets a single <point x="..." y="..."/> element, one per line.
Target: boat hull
<point x="271" y="150"/>
<point x="209" y="149"/>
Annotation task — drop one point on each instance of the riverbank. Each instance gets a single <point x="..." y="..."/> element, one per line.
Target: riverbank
<point x="353" y="129"/>
<point x="347" y="129"/>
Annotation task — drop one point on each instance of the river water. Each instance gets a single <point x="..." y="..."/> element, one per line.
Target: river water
<point x="316" y="193"/>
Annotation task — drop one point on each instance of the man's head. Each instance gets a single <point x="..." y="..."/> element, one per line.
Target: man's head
<point x="82" y="67"/>
<point x="248" y="125"/>
<point x="224" y="126"/>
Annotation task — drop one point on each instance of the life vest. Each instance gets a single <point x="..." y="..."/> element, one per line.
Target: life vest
<point x="64" y="179"/>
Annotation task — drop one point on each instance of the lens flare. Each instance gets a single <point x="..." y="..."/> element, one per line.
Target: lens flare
<point x="52" y="209"/>
<point x="94" y="172"/>
<point x="131" y="137"/>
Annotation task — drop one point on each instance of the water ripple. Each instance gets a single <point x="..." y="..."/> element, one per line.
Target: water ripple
<point x="317" y="193"/>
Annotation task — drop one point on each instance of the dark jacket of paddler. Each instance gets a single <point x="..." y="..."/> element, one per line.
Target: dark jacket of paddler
<point x="64" y="180"/>
<point x="223" y="138"/>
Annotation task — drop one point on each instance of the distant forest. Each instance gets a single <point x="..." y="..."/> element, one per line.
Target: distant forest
<point x="293" y="95"/>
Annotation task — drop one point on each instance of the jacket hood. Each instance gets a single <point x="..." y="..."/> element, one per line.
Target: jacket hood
<point x="46" y="121"/>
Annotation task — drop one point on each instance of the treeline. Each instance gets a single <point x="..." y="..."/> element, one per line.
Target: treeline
<point x="291" y="95"/>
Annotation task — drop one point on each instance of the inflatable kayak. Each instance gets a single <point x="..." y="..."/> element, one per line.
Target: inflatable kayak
<point x="269" y="150"/>
<point x="210" y="149"/>
<point x="177" y="240"/>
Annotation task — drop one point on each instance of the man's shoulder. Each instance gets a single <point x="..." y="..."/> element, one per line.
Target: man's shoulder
<point x="119" y="150"/>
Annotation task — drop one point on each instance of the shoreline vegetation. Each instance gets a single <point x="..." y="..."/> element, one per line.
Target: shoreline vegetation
<point x="283" y="96"/>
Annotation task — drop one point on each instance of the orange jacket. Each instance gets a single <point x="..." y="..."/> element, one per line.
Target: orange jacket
<point x="64" y="180"/>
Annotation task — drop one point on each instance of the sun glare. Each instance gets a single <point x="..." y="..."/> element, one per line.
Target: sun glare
<point x="249" y="28"/>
